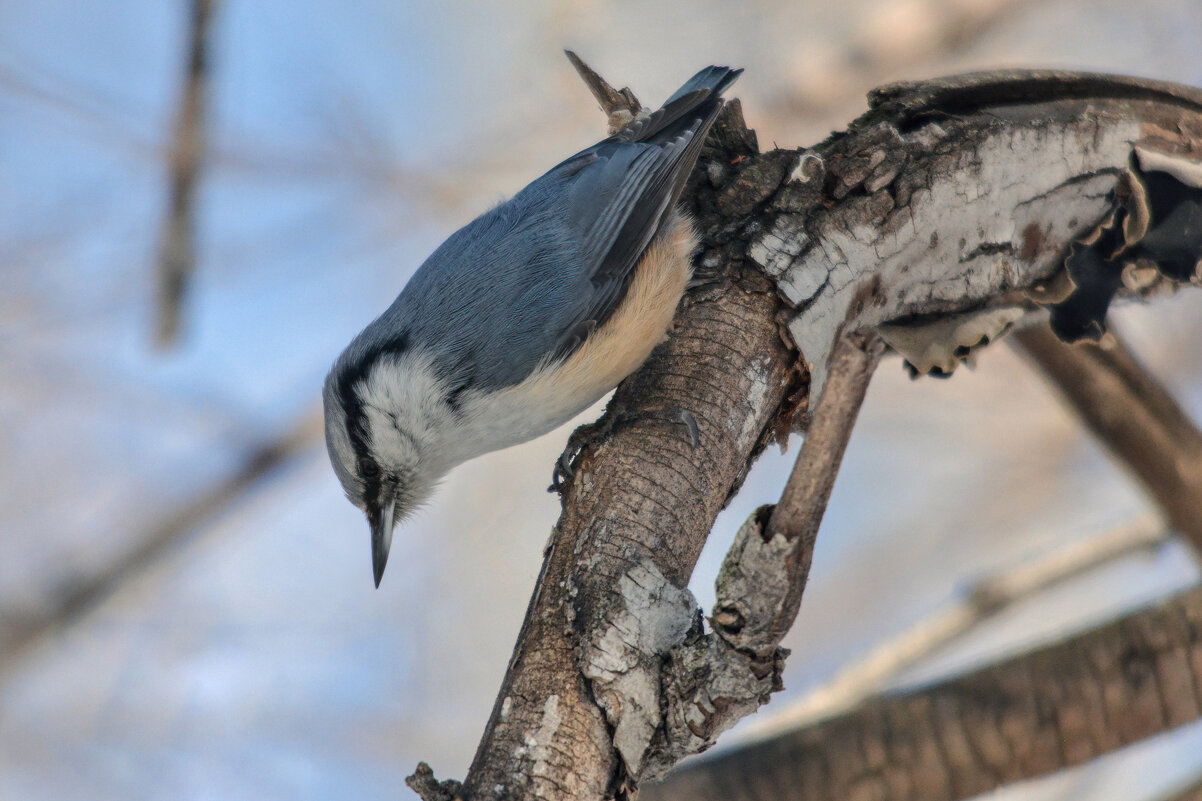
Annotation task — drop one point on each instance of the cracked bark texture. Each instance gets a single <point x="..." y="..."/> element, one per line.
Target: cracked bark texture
<point x="1029" y="716"/>
<point x="951" y="198"/>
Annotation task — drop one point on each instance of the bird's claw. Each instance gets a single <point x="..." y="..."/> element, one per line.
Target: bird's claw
<point x="565" y="465"/>
<point x="585" y="435"/>
<point x="563" y="471"/>
<point x="690" y="424"/>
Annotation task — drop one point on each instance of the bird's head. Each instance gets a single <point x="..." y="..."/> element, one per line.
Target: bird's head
<point x="381" y="425"/>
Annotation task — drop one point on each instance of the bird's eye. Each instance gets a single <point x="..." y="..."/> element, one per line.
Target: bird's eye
<point x="368" y="468"/>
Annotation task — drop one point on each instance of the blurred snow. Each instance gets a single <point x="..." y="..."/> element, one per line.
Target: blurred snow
<point x="253" y="659"/>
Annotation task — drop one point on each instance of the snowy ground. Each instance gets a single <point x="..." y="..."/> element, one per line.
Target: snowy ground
<point x="250" y="658"/>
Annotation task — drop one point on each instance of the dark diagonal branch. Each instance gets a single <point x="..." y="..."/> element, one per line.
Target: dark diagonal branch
<point x="1132" y="415"/>
<point x="72" y="599"/>
<point x="938" y="219"/>
<point x="177" y="244"/>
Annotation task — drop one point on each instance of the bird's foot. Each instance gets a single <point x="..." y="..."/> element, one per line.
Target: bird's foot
<point x="595" y="433"/>
<point x="581" y="438"/>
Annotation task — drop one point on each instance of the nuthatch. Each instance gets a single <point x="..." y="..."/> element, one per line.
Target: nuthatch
<point x="522" y="318"/>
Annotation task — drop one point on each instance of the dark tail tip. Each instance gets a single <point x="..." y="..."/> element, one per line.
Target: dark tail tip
<point x="716" y="79"/>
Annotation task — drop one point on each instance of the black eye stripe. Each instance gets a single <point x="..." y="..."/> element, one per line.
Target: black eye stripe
<point x="350" y="375"/>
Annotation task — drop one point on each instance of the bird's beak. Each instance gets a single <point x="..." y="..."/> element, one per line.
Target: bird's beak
<point x="381" y="538"/>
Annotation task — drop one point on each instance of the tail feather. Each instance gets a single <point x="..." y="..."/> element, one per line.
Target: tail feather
<point x="699" y="97"/>
<point x="716" y="79"/>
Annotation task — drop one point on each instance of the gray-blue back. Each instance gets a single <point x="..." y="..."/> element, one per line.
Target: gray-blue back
<point x="529" y="279"/>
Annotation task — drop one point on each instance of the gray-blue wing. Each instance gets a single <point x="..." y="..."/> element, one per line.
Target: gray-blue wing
<point x="530" y="279"/>
<point x="627" y="186"/>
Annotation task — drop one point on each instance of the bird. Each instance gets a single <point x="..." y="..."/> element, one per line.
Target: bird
<point x="522" y="318"/>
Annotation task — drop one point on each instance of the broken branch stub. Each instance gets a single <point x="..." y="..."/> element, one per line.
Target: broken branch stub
<point x="619" y="105"/>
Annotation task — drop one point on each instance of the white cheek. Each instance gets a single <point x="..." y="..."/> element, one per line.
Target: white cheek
<point x="406" y="385"/>
<point x="391" y="445"/>
<point x="407" y="417"/>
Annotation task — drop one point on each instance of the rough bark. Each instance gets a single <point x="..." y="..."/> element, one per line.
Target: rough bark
<point x="1029" y="716"/>
<point x="958" y="197"/>
<point x="764" y="574"/>
<point x="939" y="218"/>
<point x="1132" y="415"/>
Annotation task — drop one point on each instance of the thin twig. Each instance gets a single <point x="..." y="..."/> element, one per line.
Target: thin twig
<point x="1133" y="416"/>
<point x="177" y="250"/>
<point x="798" y="514"/>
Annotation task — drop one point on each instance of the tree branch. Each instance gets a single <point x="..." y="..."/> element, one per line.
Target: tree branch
<point x="1029" y="716"/>
<point x="707" y="683"/>
<point x="635" y="517"/>
<point x="1132" y="415"/>
<point x="762" y="580"/>
<point x="955" y="200"/>
<point x="70" y="600"/>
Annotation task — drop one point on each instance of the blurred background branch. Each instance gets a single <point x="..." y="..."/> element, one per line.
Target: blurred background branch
<point x="978" y="601"/>
<point x="1133" y="417"/>
<point x="177" y="249"/>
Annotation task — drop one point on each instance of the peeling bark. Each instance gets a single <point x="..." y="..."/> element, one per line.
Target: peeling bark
<point x="1029" y="716"/>
<point x="959" y="198"/>
<point x="948" y="200"/>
